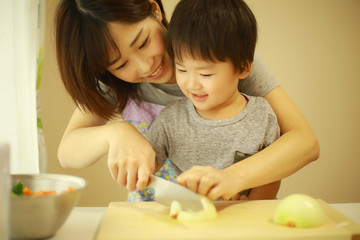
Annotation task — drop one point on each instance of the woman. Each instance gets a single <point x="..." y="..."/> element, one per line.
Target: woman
<point x="111" y="51"/>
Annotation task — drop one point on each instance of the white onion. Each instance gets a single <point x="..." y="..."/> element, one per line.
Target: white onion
<point x="207" y="213"/>
<point x="299" y="210"/>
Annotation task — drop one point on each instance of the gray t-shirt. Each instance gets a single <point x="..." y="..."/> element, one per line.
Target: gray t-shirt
<point x="186" y="139"/>
<point x="259" y="82"/>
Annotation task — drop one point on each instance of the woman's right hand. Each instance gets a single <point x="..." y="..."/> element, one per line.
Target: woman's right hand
<point x="131" y="159"/>
<point x="89" y="137"/>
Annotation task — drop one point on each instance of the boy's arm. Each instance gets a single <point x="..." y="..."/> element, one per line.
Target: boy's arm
<point x="265" y="192"/>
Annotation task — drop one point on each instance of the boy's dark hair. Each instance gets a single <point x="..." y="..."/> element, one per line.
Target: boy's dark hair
<point x="208" y="29"/>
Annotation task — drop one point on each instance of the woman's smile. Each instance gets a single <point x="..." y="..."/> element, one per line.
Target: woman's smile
<point x="158" y="71"/>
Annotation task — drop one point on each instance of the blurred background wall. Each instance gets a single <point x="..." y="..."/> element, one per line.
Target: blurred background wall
<point x="311" y="46"/>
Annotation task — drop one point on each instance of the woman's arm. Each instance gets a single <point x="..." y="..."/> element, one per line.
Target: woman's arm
<point x="84" y="140"/>
<point x="296" y="147"/>
<point x="87" y="138"/>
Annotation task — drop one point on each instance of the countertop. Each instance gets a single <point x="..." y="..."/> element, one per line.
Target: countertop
<point x="83" y="222"/>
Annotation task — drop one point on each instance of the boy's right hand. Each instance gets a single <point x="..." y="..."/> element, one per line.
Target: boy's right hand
<point x="131" y="159"/>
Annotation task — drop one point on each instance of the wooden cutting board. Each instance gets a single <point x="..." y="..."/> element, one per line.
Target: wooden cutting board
<point x="236" y="220"/>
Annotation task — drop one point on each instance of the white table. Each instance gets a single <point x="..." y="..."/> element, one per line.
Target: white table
<point x="83" y="222"/>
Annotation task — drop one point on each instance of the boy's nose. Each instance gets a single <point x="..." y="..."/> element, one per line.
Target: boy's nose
<point x="193" y="82"/>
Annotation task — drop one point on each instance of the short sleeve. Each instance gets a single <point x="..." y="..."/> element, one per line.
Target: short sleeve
<point x="158" y="140"/>
<point x="260" y="80"/>
<point x="272" y="130"/>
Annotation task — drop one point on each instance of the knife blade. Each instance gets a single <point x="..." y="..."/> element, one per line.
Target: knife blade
<point x="167" y="191"/>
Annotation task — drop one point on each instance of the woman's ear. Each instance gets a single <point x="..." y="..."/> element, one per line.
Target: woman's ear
<point x="157" y="10"/>
<point x="246" y="71"/>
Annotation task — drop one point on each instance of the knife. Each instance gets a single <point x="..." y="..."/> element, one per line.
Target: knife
<point x="167" y="191"/>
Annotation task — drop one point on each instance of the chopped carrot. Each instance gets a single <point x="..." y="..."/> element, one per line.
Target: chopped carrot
<point x="27" y="191"/>
<point x="44" y="193"/>
<point x="70" y="189"/>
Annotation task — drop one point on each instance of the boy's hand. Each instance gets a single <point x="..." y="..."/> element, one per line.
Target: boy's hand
<point x="209" y="181"/>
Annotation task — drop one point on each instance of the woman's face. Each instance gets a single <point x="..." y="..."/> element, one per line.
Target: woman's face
<point x="143" y="56"/>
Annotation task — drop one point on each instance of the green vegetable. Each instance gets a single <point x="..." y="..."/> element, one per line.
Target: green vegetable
<point x="18" y="189"/>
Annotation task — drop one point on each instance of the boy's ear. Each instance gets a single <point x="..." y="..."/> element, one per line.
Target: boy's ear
<point x="157" y="10"/>
<point x="246" y="71"/>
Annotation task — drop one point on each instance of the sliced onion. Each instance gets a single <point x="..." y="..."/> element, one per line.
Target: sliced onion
<point x="209" y="211"/>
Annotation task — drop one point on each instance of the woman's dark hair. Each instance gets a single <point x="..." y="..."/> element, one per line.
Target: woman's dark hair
<point x="82" y="43"/>
<point x="208" y="29"/>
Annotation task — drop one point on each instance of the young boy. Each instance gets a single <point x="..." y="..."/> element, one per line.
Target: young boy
<point x="207" y="134"/>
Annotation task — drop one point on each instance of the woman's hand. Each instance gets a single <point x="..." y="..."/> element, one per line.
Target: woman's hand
<point x="131" y="159"/>
<point x="89" y="137"/>
<point x="210" y="182"/>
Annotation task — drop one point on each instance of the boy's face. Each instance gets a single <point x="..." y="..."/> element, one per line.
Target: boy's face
<point x="211" y="86"/>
